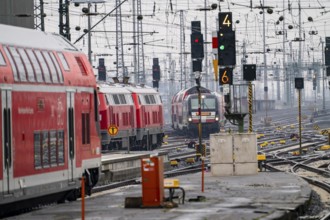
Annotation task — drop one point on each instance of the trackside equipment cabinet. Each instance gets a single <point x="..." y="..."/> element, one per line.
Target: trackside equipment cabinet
<point x="152" y="182"/>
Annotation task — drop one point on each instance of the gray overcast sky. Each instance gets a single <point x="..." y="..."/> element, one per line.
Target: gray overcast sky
<point x="158" y="17"/>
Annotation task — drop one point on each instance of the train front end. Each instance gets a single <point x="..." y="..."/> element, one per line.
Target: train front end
<point x="208" y="114"/>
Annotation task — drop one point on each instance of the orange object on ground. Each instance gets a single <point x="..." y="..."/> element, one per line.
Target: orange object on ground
<point x="152" y="172"/>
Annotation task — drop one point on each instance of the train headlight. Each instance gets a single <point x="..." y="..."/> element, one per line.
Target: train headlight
<point x="189" y="118"/>
<point x="217" y="118"/>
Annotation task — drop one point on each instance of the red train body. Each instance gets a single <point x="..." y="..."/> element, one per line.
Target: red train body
<point x="185" y="111"/>
<point x="49" y="121"/>
<point x="137" y="113"/>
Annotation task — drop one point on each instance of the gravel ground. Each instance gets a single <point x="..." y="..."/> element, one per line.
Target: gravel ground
<point x="315" y="208"/>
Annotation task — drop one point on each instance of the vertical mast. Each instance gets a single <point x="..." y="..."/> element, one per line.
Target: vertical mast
<point x="140" y="51"/>
<point x="182" y="49"/>
<point x="135" y="69"/>
<point x="205" y="47"/>
<point x="119" y="43"/>
<point x="39" y="22"/>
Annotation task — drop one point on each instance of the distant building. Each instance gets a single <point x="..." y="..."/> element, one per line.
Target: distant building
<point x="17" y="13"/>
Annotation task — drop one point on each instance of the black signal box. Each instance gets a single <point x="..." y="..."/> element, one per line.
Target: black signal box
<point x="155" y="84"/>
<point x="156" y="72"/>
<point x="328" y="70"/>
<point x="102" y="74"/>
<point x="195" y="27"/>
<point x="299" y="83"/>
<point x="197" y="45"/>
<point x="249" y="72"/>
<point x="197" y="65"/>
<point x="226" y="48"/>
<point x="327" y="55"/>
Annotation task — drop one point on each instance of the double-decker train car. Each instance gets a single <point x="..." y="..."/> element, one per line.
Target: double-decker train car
<point x="186" y="115"/>
<point x="49" y="119"/>
<point x="136" y="112"/>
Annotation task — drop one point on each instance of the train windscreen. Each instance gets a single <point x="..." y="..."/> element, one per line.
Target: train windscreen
<point x="206" y="103"/>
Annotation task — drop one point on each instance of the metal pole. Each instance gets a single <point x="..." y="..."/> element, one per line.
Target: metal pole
<point x="250" y="107"/>
<point x="82" y="198"/>
<point x="148" y="148"/>
<point x="200" y="128"/>
<point x="200" y="116"/>
<point x="205" y="48"/>
<point x="265" y="60"/>
<point x="299" y="117"/>
<point x="89" y="35"/>
<point x="42" y="18"/>
<point x="181" y="48"/>
<point x="323" y="74"/>
<point x="299" y="54"/>
<point x="136" y="73"/>
<point x="285" y="76"/>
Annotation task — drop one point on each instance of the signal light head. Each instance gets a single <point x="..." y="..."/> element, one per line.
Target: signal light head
<point x="196" y="40"/>
<point x="222" y="47"/>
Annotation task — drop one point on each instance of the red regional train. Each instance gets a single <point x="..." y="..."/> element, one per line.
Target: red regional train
<point x="49" y="119"/>
<point x="185" y="114"/>
<point x="131" y="117"/>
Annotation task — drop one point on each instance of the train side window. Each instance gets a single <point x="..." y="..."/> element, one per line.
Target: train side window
<point x="116" y="99"/>
<point x="85" y="128"/>
<point x="57" y="66"/>
<point x="35" y="64"/>
<point x="60" y="145"/>
<point x="37" y="150"/>
<point x="53" y="148"/>
<point x="63" y="61"/>
<point x="28" y="65"/>
<point x="152" y="99"/>
<point x="13" y="65"/>
<point x="45" y="149"/>
<point x="2" y="60"/>
<point x="51" y="67"/>
<point x="146" y="98"/>
<point x="122" y="99"/>
<point x="81" y="66"/>
<point x="44" y="66"/>
<point x="19" y="64"/>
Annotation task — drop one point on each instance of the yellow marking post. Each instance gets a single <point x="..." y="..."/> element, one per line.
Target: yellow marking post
<point x="174" y="163"/>
<point x="261" y="157"/>
<point x="190" y="160"/>
<point x="325" y="147"/>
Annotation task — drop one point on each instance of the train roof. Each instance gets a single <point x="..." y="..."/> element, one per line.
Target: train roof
<point x="139" y="89"/>
<point x="125" y="88"/>
<point x="24" y="37"/>
<point x="193" y="90"/>
<point x="113" y="88"/>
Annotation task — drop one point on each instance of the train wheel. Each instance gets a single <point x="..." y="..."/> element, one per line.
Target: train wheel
<point x="132" y="142"/>
<point x="73" y="195"/>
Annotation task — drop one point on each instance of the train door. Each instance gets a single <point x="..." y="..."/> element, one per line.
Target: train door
<point x="7" y="170"/>
<point x="71" y="136"/>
